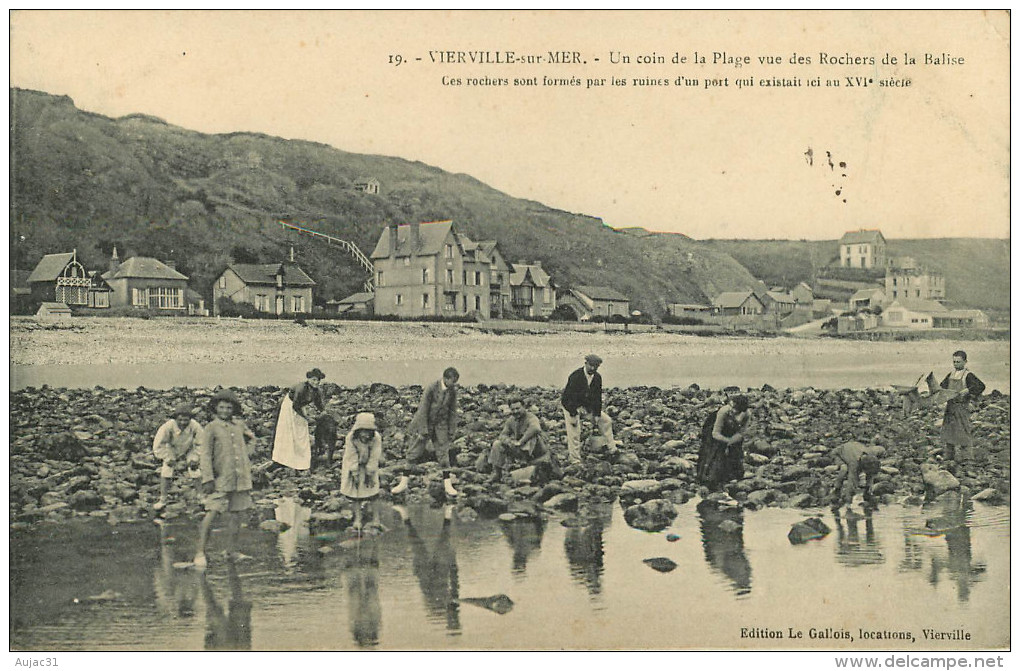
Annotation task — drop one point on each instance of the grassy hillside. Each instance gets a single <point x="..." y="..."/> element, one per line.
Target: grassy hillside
<point x="87" y="181"/>
<point x="976" y="269"/>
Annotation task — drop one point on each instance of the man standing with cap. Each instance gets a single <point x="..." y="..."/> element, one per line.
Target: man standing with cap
<point x="583" y="393"/>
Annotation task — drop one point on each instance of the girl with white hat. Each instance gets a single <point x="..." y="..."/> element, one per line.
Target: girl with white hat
<point x="359" y="471"/>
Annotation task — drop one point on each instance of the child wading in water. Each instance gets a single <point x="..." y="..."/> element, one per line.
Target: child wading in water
<point x="359" y="472"/>
<point x="226" y="470"/>
<point x="175" y="438"/>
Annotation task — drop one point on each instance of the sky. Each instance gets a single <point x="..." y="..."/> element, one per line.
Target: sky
<point x="927" y="160"/>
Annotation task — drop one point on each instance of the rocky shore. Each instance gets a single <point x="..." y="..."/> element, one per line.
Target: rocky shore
<point x="89" y="452"/>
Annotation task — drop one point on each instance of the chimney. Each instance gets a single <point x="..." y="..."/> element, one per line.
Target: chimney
<point x="393" y="240"/>
<point x="292" y="253"/>
<point x="538" y="264"/>
<point x="415" y="237"/>
<point x="172" y="265"/>
<point x="521" y="263"/>
<point x="114" y="261"/>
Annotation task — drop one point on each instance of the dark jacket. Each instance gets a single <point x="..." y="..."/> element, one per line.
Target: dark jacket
<point x="303" y="394"/>
<point x="578" y="394"/>
<point x="437" y="409"/>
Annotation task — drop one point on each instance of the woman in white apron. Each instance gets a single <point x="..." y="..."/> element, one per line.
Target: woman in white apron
<point x="292" y="445"/>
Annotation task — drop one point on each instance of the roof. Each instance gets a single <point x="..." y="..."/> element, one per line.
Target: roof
<point x="53" y="309"/>
<point x="265" y="273"/>
<point x="192" y="296"/>
<point x="98" y="283"/>
<point x="601" y="293"/>
<point x="780" y="297"/>
<point x="918" y="305"/>
<point x="144" y="267"/>
<point x="965" y="314"/>
<point x="520" y="271"/>
<point x="861" y="236"/>
<point x="433" y="236"/>
<point x="691" y="306"/>
<point x="732" y="299"/>
<point x="866" y="293"/>
<point x="353" y="299"/>
<point x="50" y="267"/>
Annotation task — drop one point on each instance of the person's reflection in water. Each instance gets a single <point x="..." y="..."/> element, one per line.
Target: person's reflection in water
<point x="363" y="609"/>
<point x="584" y="547"/>
<point x="175" y="590"/>
<point x="524" y="537"/>
<point x="850" y="549"/>
<point x="436" y="571"/>
<point x="724" y="550"/>
<point x="230" y="631"/>
<point x="913" y="553"/>
<point x="295" y="516"/>
<point x="949" y="518"/>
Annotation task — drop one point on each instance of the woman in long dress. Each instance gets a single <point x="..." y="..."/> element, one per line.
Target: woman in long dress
<point x="721" y="457"/>
<point x="956" y="428"/>
<point x="292" y="445"/>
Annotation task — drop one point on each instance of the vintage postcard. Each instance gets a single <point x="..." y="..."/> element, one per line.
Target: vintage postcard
<point x="510" y="330"/>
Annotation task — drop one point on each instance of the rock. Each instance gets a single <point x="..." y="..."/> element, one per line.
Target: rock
<point x="378" y="388"/>
<point x="937" y="481"/>
<point x="500" y="603"/>
<point x="809" y="529"/>
<point x="507" y="517"/>
<point x="274" y="526"/>
<point x="672" y="538"/>
<point x="326" y="520"/>
<point x="523" y="476"/>
<point x="801" y="501"/>
<point x="673" y="446"/>
<point x="729" y="526"/>
<point x="761" y="497"/>
<point x="61" y="505"/>
<point x="990" y="494"/>
<point x="86" y="500"/>
<point x="653" y="515"/>
<point x="643" y="489"/>
<point x="63" y="446"/>
<point x="661" y="564"/>
<point x="762" y="446"/>
<point x="756" y="459"/>
<point x="565" y="501"/>
<point x="549" y="491"/>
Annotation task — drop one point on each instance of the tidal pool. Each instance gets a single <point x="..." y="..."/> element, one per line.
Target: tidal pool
<point x="486" y="584"/>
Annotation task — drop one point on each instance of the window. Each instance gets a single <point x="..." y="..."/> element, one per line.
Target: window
<point x="449" y="251"/>
<point x="424" y="275"/>
<point x="463" y="277"/>
<point x="138" y="298"/>
<point x="279" y="280"/>
<point x="261" y="303"/>
<point x="407" y="260"/>
<point x="449" y="276"/>
<point x="478" y="278"/>
<point x="425" y="301"/>
<point x="478" y="303"/>
<point x="464" y="303"/>
<point x="165" y="298"/>
<point x="223" y="281"/>
<point x="450" y="302"/>
<point x="398" y="300"/>
<point x="918" y="292"/>
<point x="297" y="303"/>
<point x="379" y="279"/>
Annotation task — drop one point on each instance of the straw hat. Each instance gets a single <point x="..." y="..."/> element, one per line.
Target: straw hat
<point x="364" y="420"/>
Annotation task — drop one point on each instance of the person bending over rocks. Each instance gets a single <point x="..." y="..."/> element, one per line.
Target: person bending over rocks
<point x="583" y="395"/>
<point x="177" y="438"/>
<point x="721" y="457"/>
<point x="292" y="444"/>
<point x="854" y="458"/>
<point x="435" y="424"/>
<point x="522" y="439"/>
<point x="962" y="386"/>
<point x="226" y="471"/>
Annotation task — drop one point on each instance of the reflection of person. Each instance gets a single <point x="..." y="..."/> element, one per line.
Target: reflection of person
<point x="296" y="517"/>
<point x="226" y="470"/>
<point x="436" y="571"/>
<point x="292" y="444"/>
<point x="435" y="424"/>
<point x="583" y="394"/>
<point x="521" y="439"/>
<point x="175" y="590"/>
<point x="959" y="562"/>
<point x="178" y="437"/>
<point x="363" y="609"/>
<point x="524" y="537"/>
<point x="854" y="458"/>
<point x="359" y="474"/>
<point x="956" y="428"/>
<point x="583" y="546"/>
<point x="231" y="630"/>
<point x="724" y="550"/>
<point x="721" y="457"/>
<point x="850" y="551"/>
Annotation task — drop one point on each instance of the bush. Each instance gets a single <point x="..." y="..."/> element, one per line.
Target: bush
<point x="230" y="308"/>
<point x="682" y="321"/>
<point x="563" y="313"/>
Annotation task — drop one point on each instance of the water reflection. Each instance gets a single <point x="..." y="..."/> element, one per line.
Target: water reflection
<point x="524" y="537"/>
<point x="724" y="544"/>
<point x="230" y="630"/>
<point x="851" y="549"/>
<point x="295" y="516"/>
<point x="436" y="571"/>
<point x="175" y="590"/>
<point x="950" y="519"/>
<point x="364" y="611"/>
<point x="584" y="548"/>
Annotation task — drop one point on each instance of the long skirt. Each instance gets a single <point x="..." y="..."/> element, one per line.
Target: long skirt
<point x="719" y="463"/>
<point x="292" y="445"/>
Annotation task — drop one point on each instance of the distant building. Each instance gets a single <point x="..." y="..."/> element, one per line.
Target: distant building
<point x="195" y="303"/>
<point x="957" y="319"/>
<point x="60" y="278"/>
<point x="532" y="291"/>
<point x="359" y="303"/>
<point x="273" y="288"/>
<point x="144" y="282"/>
<point x="864" y="321"/>
<point x="915" y="283"/>
<point x="689" y="310"/>
<point x="802" y="294"/>
<point x="867" y="298"/>
<point x="590" y="301"/>
<point x="862" y="249"/>
<point x="367" y="184"/>
<point x="53" y="309"/>
<point x="100" y="292"/>
<point x="499" y="280"/>
<point x="430" y="269"/>
<point x="739" y="303"/>
<point x="821" y="307"/>
<point x="912" y="314"/>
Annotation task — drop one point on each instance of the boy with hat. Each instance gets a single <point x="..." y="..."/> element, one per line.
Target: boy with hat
<point x="176" y="438"/>
<point x="226" y="470"/>
<point x="583" y="393"/>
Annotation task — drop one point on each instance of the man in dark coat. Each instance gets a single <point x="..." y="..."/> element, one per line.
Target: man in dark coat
<point x="583" y="395"/>
<point x="434" y="423"/>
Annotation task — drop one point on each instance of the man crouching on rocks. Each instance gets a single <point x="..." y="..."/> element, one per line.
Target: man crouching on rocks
<point x="434" y="423"/>
<point x="854" y="458"/>
<point x="226" y="470"/>
<point x="583" y="393"/>
<point x="522" y="439"/>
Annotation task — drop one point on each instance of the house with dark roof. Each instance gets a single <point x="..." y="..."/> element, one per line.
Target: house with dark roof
<point x="532" y="291"/>
<point x="430" y="269"/>
<point x="862" y="249"/>
<point x="144" y="282"/>
<point x="499" y="280"/>
<point x="359" y="303"/>
<point x="60" y="278"/>
<point x="738" y="303"/>
<point x="867" y="298"/>
<point x="273" y="288"/>
<point x="591" y="301"/>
